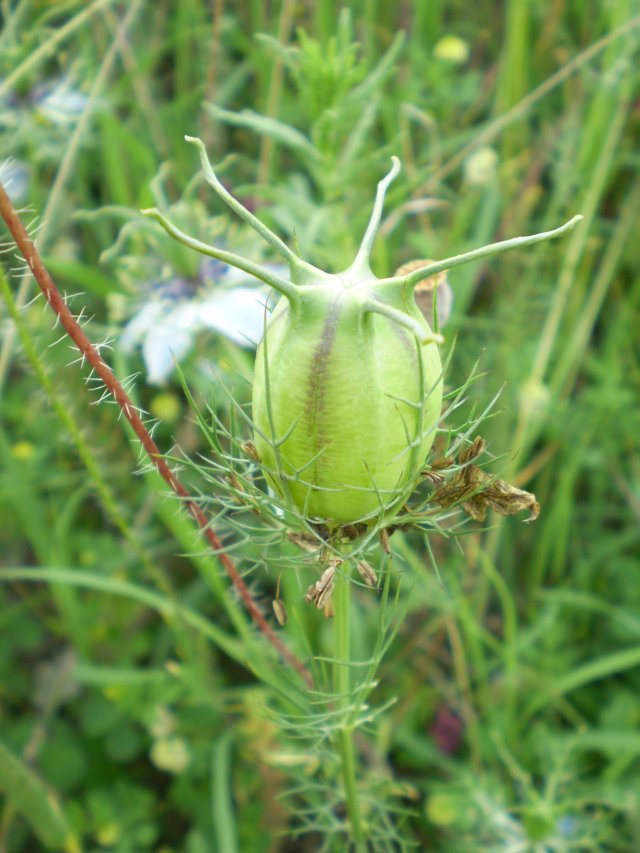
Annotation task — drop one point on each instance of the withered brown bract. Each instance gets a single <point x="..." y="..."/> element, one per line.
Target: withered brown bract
<point x="434" y="287"/>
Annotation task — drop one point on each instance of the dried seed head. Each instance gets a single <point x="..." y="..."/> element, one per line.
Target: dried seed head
<point x="329" y="610"/>
<point x="319" y="593"/>
<point x="473" y="451"/>
<point x="249" y="448"/>
<point x="479" y="491"/>
<point x="306" y="541"/>
<point x="280" y="611"/>
<point x="442" y="464"/>
<point x="385" y="541"/>
<point x="349" y="532"/>
<point x="367" y="573"/>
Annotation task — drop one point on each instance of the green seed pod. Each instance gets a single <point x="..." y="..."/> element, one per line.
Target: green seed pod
<point x="345" y="400"/>
<point x="347" y="392"/>
<point x="348" y="380"/>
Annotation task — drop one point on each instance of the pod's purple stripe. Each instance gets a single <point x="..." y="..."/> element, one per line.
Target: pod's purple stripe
<point x="317" y="380"/>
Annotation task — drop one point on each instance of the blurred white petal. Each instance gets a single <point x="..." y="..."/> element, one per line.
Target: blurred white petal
<point x="239" y="314"/>
<point x="61" y="104"/>
<point x="161" y="351"/>
<point x="167" y="324"/>
<point x="136" y="329"/>
<point x="14" y="176"/>
<point x="167" y="342"/>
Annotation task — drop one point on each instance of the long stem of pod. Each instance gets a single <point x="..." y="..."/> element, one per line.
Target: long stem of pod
<point x="342" y="688"/>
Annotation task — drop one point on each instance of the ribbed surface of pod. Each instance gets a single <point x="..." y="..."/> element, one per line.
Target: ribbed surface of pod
<point x="357" y="398"/>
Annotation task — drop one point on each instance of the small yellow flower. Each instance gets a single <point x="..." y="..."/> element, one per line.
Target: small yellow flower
<point x="171" y="754"/>
<point x="452" y="49"/>
<point x="480" y="168"/>
<point x="441" y="809"/>
<point x="23" y="451"/>
<point x="167" y="407"/>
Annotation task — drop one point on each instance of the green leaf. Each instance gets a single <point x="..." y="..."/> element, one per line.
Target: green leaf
<point x="162" y="605"/>
<point x="85" y="276"/>
<point x="223" y="816"/>
<point x="265" y="126"/>
<point x="593" y="670"/>
<point x="35" y="802"/>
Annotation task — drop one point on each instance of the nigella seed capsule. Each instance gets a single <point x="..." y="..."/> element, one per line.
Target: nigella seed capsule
<point x="354" y="395"/>
<point x="347" y="389"/>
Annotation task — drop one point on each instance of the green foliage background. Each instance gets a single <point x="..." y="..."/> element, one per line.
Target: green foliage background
<point x="139" y="710"/>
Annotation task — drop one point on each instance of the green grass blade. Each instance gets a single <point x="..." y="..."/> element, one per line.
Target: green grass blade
<point x="35" y="802"/>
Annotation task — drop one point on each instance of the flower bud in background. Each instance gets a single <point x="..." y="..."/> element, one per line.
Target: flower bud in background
<point x="480" y="167"/>
<point x="452" y="49"/>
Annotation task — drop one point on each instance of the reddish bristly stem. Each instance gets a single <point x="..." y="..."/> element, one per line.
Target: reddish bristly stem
<point x="70" y="325"/>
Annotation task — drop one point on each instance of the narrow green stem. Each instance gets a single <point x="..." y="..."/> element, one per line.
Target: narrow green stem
<point x="296" y="264"/>
<point x="412" y="279"/>
<point x="424" y="335"/>
<point x="278" y="283"/>
<point x="361" y="263"/>
<point x="342" y="687"/>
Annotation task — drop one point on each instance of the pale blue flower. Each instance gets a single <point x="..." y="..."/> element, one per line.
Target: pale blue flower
<point x="14" y="177"/>
<point x="59" y="102"/>
<point x="176" y="311"/>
